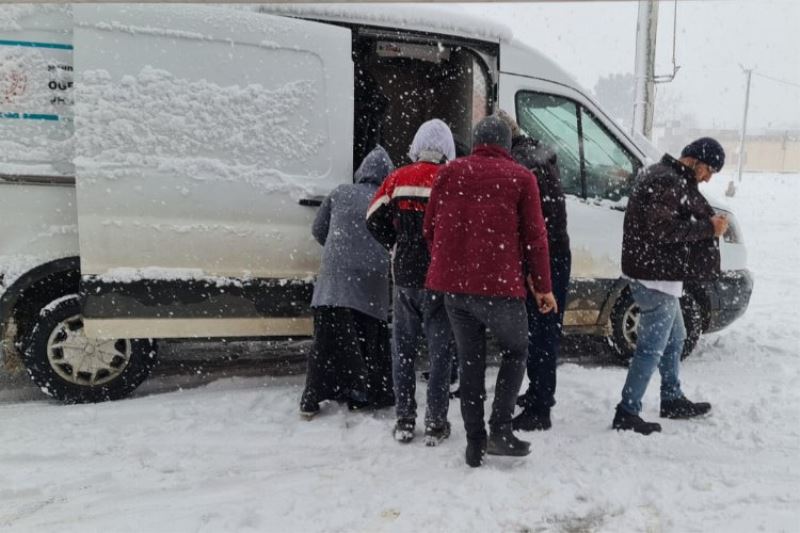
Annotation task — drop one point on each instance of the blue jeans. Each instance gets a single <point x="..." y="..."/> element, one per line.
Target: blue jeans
<point x="659" y="344"/>
<point x="418" y="313"/>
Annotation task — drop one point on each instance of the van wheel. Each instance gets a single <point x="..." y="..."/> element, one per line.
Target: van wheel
<point x="625" y="323"/>
<point x="69" y="366"/>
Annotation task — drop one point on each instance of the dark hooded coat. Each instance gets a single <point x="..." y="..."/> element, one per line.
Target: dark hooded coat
<point x="355" y="267"/>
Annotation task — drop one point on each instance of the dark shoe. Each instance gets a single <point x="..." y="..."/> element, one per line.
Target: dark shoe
<point x="436" y="434"/>
<point x="624" y="421"/>
<point x="532" y="420"/>
<point x="308" y="407"/>
<point x="357" y="401"/>
<point x="358" y="405"/>
<point x="683" y="408"/>
<point x="404" y="430"/>
<point x="505" y="443"/>
<point x="476" y="451"/>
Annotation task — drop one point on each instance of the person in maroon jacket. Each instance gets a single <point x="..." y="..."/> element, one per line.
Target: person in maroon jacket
<point x="483" y="221"/>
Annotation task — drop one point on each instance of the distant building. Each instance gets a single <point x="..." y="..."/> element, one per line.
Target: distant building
<point x="765" y="151"/>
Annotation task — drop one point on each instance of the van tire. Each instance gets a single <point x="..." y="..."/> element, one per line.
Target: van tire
<point x="624" y="322"/>
<point x="107" y="370"/>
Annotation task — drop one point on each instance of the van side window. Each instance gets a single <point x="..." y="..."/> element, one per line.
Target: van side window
<point x="554" y="121"/>
<point x="610" y="169"/>
<point x="593" y="163"/>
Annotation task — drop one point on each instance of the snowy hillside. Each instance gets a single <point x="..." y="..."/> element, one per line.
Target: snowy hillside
<point x="235" y="456"/>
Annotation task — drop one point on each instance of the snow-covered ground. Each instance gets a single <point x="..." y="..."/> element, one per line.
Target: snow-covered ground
<point x="233" y="455"/>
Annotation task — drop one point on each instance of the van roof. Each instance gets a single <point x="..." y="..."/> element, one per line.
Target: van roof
<point x="434" y="20"/>
<point x="417" y="17"/>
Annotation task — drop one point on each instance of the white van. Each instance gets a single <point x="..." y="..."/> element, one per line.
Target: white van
<point x="169" y="192"/>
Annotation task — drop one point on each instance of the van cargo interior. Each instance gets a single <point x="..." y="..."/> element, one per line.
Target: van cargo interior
<point x="399" y="85"/>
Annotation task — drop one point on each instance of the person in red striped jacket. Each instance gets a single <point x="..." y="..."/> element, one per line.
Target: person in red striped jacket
<point x="395" y="219"/>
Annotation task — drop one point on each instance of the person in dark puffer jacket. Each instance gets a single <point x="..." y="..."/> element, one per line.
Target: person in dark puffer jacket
<point x="670" y="235"/>
<point x="395" y="219"/>
<point x="544" y="330"/>
<point x="482" y="223"/>
<point x="350" y="358"/>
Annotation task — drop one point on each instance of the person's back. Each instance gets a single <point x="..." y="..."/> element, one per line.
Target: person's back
<point x="482" y="253"/>
<point x="396" y="213"/>
<point x="354" y="269"/>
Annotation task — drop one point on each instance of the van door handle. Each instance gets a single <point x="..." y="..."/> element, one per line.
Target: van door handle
<point x="314" y="201"/>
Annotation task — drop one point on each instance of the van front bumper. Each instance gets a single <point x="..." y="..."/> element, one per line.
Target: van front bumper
<point x="728" y="298"/>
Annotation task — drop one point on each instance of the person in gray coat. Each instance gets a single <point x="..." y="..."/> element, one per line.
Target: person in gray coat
<point x="351" y="357"/>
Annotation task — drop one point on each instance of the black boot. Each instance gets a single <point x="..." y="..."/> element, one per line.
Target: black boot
<point x="505" y="443"/>
<point x="476" y="451"/>
<point x="683" y="408"/>
<point x="309" y="406"/>
<point x="435" y="434"/>
<point x="625" y="421"/>
<point x="404" y="430"/>
<point x="531" y="419"/>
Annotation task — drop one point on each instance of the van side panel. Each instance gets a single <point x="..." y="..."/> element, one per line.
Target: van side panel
<point x="198" y="132"/>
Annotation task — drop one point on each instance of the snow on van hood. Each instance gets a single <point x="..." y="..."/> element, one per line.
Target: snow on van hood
<point x="412" y="17"/>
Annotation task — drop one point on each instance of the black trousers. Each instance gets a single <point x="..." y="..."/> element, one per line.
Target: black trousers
<point x="469" y="317"/>
<point x="544" y="339"/>
<point x="350" y="358"/>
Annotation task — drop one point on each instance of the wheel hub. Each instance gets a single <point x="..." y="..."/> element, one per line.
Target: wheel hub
<point x="83" y="361"/>
<point x="630" y="324"/>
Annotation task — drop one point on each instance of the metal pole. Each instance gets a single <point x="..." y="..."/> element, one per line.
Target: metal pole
<point x="643" y="105"/>
<point x="744" y="124"/>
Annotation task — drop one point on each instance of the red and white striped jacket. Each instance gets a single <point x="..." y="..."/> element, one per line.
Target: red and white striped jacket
<point x="395" y="218"/>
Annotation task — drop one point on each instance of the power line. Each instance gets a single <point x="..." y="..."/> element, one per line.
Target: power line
<point x="792" y="84"/>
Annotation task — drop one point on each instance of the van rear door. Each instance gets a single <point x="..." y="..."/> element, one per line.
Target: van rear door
<point x="203" y="137"/>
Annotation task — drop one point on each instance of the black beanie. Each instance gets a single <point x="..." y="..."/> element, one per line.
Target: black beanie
<point x="707" y="150"/>
<point x="492" y="130"/>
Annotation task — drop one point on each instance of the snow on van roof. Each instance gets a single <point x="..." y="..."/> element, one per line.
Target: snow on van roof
<point x="416" y="17"/>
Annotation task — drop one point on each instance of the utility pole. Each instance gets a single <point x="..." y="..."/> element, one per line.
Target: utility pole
<point x="643" y="106"/>
<point x="749" y="73"/>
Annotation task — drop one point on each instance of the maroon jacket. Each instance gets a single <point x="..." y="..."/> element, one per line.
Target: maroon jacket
<point x="483" y="219"/>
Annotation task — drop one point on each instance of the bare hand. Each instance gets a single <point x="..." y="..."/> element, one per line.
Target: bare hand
<point x="720" y="223"/>
<point x="546" y="302"/>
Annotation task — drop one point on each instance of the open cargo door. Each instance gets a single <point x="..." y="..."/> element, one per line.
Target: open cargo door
<point x="203" y="137"/>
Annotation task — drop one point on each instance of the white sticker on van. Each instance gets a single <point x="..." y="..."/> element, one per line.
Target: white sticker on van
<point x="36" y="81"/>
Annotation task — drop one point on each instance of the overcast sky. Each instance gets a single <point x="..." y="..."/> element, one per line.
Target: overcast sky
<point x="592" y="39"/>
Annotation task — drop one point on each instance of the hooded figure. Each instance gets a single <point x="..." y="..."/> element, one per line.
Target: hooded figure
<point x="395" y="219"/>
<point x="350" y="357"/>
